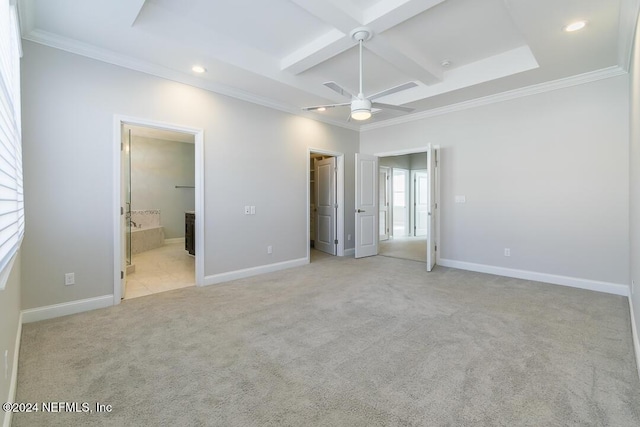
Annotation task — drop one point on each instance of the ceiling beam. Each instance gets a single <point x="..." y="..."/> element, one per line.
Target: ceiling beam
<point x="325" y="47"/>
<point x="133" y="10"/>
<point x="389" y="13"/>
<point x="333" y="13"/>
<point x="330" y="44"/>
<point x="379" y="17"/>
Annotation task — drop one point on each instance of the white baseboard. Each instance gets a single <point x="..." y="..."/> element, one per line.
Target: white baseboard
<point x="64" y="309"/>
<point x="253" y="271"/>
<point x="634" y="334"/>
<point x="574" y="282"/>
<point x="174" y="240"/>
<point x="350" y="252"/>
<point x="14" y="374"/>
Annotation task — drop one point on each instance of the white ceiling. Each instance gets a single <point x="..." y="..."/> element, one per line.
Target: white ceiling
<point x="279" y="52"/>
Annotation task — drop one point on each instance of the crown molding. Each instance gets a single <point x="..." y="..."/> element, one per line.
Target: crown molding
<point x="69" y="45"/>
<point x="629" y="10"/>
<point x="566" y="82"/>
<point x="104" y="55"/>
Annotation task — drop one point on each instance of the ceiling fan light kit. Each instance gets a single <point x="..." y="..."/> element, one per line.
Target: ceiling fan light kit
<point x="360" y="109"/>
<point x="361" y="105"/>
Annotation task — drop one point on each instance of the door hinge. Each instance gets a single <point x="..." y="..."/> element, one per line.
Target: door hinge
<point x="335" y="241"/>
<point x="436" y="248"/>
<point x="122" y="146"/>
<point x="436" y="206"/>
<point x="121" y="210"/>
<point x="121" y="275"/>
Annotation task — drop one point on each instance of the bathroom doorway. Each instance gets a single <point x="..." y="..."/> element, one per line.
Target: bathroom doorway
<point x="159" y="236"/>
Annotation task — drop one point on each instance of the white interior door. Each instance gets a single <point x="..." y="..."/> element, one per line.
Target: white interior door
<point x="420" y="203"/>
<point x="325" y="233"/>
<point x="125" y="203"/>
<point x="384" y="187"/>
<point x="366" y="205"/>
<point x="432" y="203"/>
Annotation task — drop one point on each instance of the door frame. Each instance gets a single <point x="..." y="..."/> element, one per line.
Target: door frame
<point x="424" y="149"/>
<point x="198" y="134"/>
<point x="389" y="196"/>
<point x="339" y="198"/>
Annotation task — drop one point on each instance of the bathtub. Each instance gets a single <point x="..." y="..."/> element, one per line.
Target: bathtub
<point x="145" y="239"/>
<point x="146" y="231"/>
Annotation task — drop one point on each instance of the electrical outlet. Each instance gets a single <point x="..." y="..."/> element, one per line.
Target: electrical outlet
<point x="247" y="210"/>
<point x="253" y="210"/>
<point x="507" y="252"/>
<point x="6" y="364"/>
<point x="70" y="279"/>
<point x="269" y="249"/>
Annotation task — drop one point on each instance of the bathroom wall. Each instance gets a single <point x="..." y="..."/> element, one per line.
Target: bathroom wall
<point x="157" y="166"/>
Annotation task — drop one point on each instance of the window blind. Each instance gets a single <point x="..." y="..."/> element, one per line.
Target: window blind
<point x="11" y="190"/>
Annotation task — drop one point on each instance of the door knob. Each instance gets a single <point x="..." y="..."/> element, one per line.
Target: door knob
<point x="360" y="211"/>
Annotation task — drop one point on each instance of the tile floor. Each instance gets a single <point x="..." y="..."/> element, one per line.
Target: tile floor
<point x="162" y="269"/>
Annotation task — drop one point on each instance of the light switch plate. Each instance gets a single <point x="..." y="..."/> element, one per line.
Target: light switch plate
<point x="69" y="279"/>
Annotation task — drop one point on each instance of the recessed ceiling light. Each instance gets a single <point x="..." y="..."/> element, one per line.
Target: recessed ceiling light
<point x="198" y="69"/>
<point x="321" y="109"/>
<point x="446" y="63"/>
<point x="575" y="26"/>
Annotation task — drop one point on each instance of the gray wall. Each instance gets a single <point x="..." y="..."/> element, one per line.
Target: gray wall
<point x="634" y="190"/>
<point x="546" y="175"/>
<point x="412" y="161"/>
<point x="402" y="162"/>
<point x="418" y="161"/>
<point x="157" y="166"/>
<point x="253" y="156"/>
<point x="9" y="318"/>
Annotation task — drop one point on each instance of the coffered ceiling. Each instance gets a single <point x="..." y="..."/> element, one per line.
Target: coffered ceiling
<point x="280" y="52"/>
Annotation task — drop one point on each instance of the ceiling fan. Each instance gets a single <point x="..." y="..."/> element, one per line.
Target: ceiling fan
<point x="361" y="105"/>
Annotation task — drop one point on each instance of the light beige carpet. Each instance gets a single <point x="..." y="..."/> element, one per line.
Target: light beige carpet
<point x="341" y="342"/>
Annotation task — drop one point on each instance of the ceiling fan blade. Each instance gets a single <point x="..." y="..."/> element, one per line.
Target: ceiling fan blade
<point x="394" y="89"/>
<point x="391" y="107"/>
<point x="317" y="107"/>
<point x="337" y="88"/>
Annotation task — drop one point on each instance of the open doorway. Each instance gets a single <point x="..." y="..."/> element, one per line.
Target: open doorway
<point x="160" y="210"/>
<point x="407" y="238"/>
<point x="325" y="196"/>
<point x="158" y="234"/>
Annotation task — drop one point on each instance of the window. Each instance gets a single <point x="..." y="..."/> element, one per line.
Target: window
<point x="11" y="193"/>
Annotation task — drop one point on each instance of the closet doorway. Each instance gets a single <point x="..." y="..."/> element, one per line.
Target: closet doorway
<point x="325" y="201"/>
